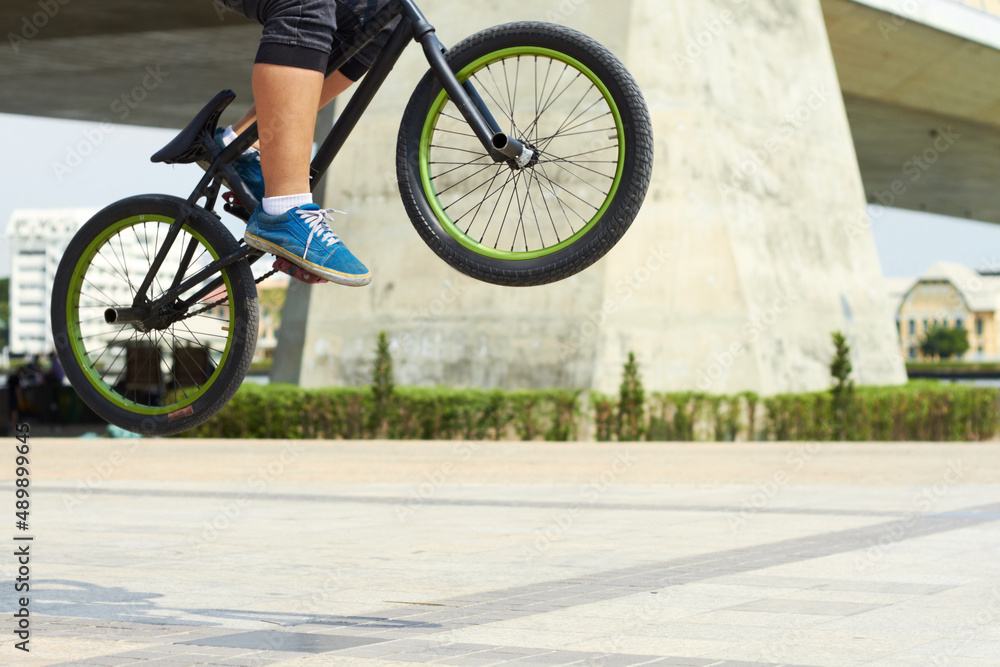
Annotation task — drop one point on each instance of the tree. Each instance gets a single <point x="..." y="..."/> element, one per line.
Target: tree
<point x="382" y="383"/>
<point x="943" y="342"/>
<point x="842" y="392"/>
<point x="631" y="403"/>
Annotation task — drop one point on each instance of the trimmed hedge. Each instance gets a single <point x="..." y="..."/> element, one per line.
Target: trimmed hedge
<point x="412" y="413"/>
<point x="918" y="411"/>
<point x="927" y="411"/>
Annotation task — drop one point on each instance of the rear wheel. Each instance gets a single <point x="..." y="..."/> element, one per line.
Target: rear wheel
<point x="571" y="102"/>
<point x="183" y="370"/>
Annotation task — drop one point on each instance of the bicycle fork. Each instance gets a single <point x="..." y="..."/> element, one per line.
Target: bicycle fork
<point x="472" y="107"/>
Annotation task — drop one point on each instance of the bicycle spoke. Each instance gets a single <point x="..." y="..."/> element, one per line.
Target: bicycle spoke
<point x="550" y="183"/>
<point x="162" y="366"/>
<point x="555" y="197"/>
<point x="569" y="192"/>
<point x="461" y="134"/>
<point x="596" y="150"/>
<point x="463" y="150"/>
<point x="547" y="209"/>
<point x="534" y="213"/>
<point x="479" y="207"/>
<point x="496" y="206"/>
<point x="470" y="192"/>
<point x="503" y="220"/>
<point x="473" y="175"/>
<point x="577" y="163"/>
<point x="571" y="111"/>
<point x="583" y="180"/>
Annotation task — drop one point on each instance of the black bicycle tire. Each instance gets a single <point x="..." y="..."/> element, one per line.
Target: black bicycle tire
<point x="243" y="303"/>
<point x="624" y="206"/>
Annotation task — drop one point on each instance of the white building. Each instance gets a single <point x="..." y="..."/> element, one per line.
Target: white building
<point x="36" y="240"/>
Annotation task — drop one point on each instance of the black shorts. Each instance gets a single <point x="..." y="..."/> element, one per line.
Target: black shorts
<point x="304" y="33"/>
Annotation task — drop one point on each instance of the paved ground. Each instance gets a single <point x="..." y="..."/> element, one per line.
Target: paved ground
<point x="178" y="552"/>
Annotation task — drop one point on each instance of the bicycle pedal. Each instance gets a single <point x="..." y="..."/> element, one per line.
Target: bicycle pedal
<point x="234" y="207"/>
<point x="283" y="265"/>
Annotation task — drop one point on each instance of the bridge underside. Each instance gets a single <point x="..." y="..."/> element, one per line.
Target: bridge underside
<point x="924" y="161"/>
<point x="923" y="105"/>
<point x="905" y="84"/>
<point x="79" y="62"/>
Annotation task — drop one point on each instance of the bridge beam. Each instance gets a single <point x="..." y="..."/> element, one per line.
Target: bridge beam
<point x="923" y="103"/>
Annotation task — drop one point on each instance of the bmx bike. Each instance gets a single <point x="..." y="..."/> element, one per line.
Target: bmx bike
<point x="523" y="156"/>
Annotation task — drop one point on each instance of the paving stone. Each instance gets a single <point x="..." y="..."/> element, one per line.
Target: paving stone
<point x="463" y="551"/>
<point x="815" y="607"/>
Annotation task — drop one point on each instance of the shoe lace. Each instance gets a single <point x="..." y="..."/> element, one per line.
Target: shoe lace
<point x="318" y="227"/>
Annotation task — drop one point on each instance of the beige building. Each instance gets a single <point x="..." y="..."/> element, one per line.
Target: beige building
<point x="953" y="296"/>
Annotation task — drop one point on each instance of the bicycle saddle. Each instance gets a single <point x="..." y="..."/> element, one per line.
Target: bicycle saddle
<point x="187" y="146"/>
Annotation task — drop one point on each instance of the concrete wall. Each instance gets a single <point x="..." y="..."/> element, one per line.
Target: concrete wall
<point x="756" y="203"/>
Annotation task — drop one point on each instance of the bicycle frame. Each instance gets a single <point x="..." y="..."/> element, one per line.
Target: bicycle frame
<point x="413" y="26"/>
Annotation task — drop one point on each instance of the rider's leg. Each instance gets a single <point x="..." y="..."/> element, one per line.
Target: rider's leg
<point x="288" y="76"/>
<point x="287" y="223"/>
<point x="287" y="98"/>
<point x="333" y="86"/>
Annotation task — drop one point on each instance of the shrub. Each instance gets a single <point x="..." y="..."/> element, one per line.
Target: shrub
<point x="382" y="385"/>
<point x="414" y="413"/>
<point x="923" y="410"/>
<point x="842" y="393"/>
<point x="631" y="403"/>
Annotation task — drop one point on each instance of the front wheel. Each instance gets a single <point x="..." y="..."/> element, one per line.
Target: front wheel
<point x="570" y="101"/>
<point x="180" y="372"/>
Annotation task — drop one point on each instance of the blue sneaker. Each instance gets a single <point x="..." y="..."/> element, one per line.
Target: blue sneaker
<point x="303" y="237"/>
<point x="247" y="166"/>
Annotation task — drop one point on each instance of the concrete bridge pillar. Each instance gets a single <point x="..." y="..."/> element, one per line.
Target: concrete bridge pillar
<point x="752" y="247"/>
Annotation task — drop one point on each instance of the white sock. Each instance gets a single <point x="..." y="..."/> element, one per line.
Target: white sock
<point x="229" y="136"/>
<point x="279" y="205"/>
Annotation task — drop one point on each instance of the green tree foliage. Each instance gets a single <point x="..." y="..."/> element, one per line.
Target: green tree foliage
<point x="631" y="403"/>
<point x="843" y="388"/>
<point x="382" y="383"/>
<point x="944" y="343"/>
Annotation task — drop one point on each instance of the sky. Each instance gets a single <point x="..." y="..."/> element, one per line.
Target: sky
<point x="45" y="167"/>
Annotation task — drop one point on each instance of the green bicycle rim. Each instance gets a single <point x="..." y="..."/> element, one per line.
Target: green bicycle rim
<point x="438" y="107"/>
<point x="75" y="333"/>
